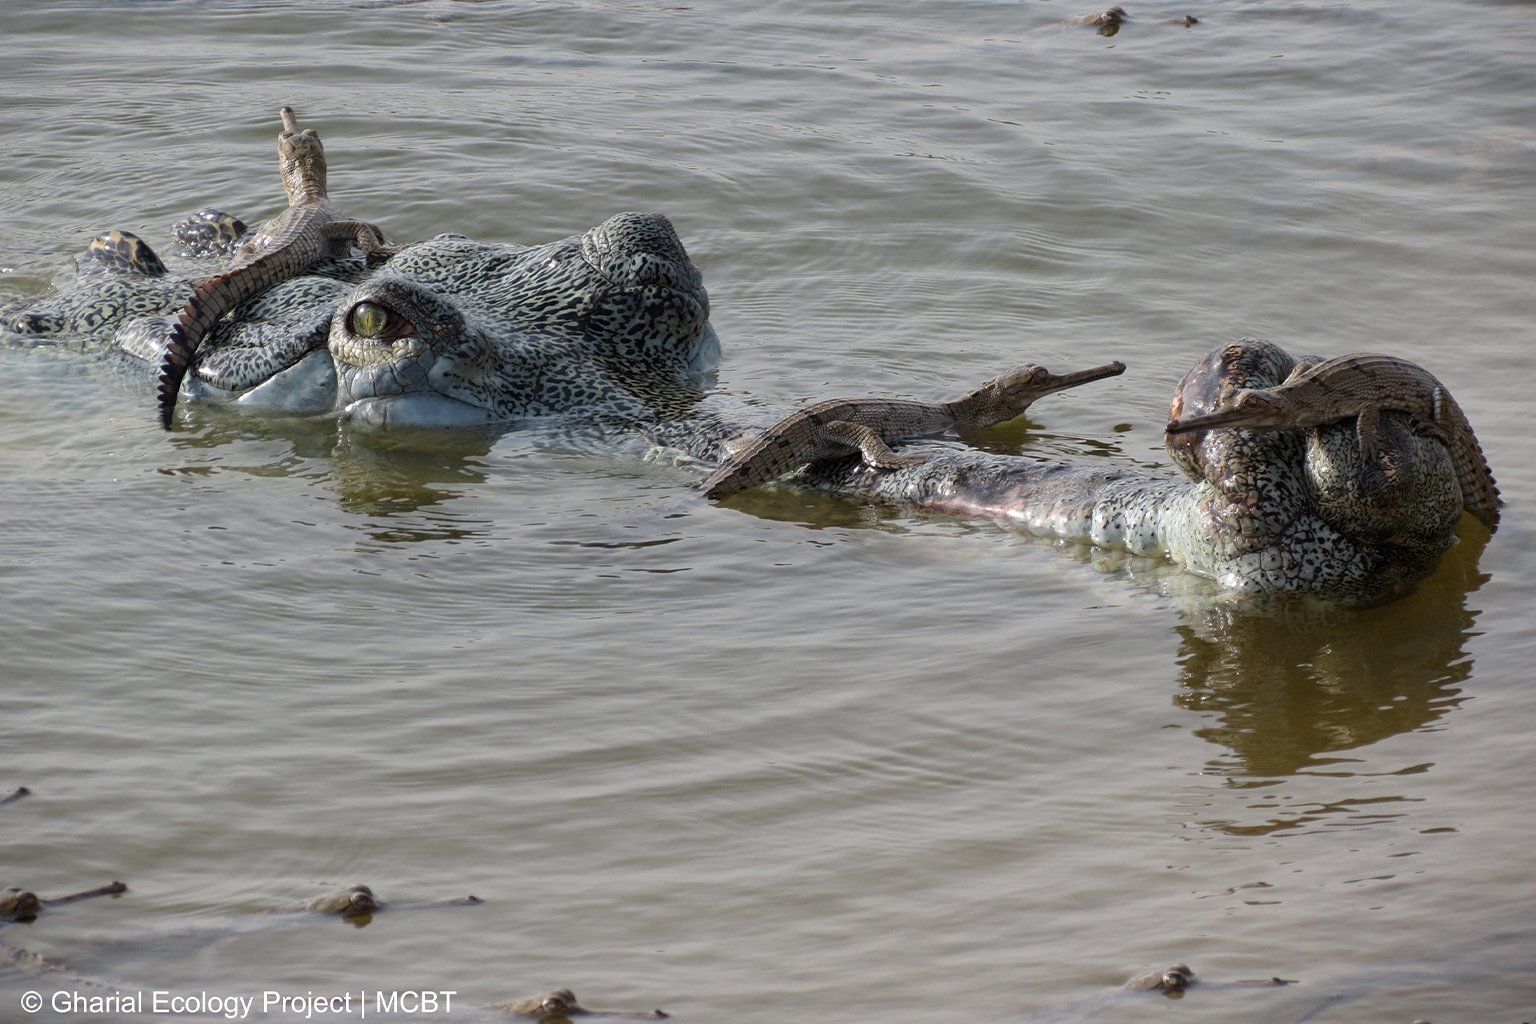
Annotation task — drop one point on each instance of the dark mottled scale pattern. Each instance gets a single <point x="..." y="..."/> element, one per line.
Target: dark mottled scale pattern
<point x="608" y="324"/>
<point x="1271" y="512"/>
<point x="611" y="328"/>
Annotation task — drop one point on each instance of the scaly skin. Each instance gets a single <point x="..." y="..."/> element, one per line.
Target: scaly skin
<point x="561" y="1004"/>
<point x="841" y="426"/>
<point x="309" y="230"/>
<point x="613" y="322"/>
<point x="1363" y="386"/>
<point x="1261" y="512"/>
<point x="609" y="333"/>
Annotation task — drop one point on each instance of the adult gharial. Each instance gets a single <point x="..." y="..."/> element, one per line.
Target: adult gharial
<point x="609" y="333"/>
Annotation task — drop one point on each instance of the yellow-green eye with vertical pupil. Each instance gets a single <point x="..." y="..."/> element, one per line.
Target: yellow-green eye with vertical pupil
<point x="368" y="319"/>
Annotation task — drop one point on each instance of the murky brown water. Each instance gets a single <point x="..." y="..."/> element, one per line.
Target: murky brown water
<point x="818" y="760"/>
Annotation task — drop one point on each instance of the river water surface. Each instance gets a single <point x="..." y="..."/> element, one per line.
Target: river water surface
<point x="795" y="758"/>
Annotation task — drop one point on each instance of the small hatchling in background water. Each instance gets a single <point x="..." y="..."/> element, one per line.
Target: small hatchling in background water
<point x="1108" y="22"/>
<point x="23" y="905"/>
<point x="357" y="904"/>
<point x="561" y="1004"/>
<point x="1175" y="978"/>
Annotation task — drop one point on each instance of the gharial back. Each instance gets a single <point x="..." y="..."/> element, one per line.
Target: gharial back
<point x="818" y="431"/>
<point x="864" y="424"/>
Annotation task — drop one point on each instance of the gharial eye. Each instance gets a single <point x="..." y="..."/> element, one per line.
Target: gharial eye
<point x="370" y="320"/>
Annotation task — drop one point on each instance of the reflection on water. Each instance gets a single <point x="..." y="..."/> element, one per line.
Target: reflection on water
<point x="395" y="476"/>
<point x="378" y="477"/>
<point x="1292" y="683"/>
<point x="1288" y="689"/>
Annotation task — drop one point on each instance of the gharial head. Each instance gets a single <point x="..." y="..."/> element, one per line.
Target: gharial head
<point x="1243" y="407"/>
<point x="301" y="159"/>
<point x="454" y="332"/>
<point x="1177" y="977"/>
<point x="18" y="904"/>
<point x="1019" y="384"/>
<point x="559" y="1003"/>
<point x="358" y="901"/>
<point x="1009" y="394"/>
